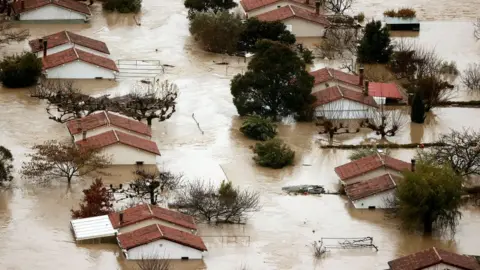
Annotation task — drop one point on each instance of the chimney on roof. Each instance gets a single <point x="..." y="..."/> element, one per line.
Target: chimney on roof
<point x="84" y="135"/>
<point x="361" y="72"/>
<point x="365" y="89"/>
<point x="45" y="48"/>
<point x="317" y="7"/>
<point x="120" y="217"/>
<point x="22" y="5"/>
<point x="413" y="165"/>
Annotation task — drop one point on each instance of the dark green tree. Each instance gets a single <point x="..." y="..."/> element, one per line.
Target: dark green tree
<point x="259" y="128"/>
<point x="215" y="6"/>
<point x="273" y="153"/>
<point x="418" y="109"/>
<point x="23" y="70"/>
<point x="256" y="30"/>
<point x="6" y="166"/>
<point x="429" y="197"/>
<point x="217" y="32"/>
<point x="375" y="45"/>
<point x="123" y="6"/>
<point x="276" y="83"/>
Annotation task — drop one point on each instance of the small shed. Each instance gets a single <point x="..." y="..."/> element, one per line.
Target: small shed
<point x="93" y="229"/>
<point x="402" y="24"/>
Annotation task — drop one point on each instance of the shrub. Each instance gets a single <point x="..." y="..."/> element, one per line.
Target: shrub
<point x="123" y="6"/>
<point x="258" y="128"/>
<point x="401" y="13"/>
<point x="471" y="77"/>
<point x="305" y="54"/>
<point x="361" y="17"/>
<point x="375" y="45"/>
<point x="217" y="32"/>
<point x="449" y="68"/>
<point x="390" y="13"/>
<point x="19" y="71"/>
<point x="274" y="154"/>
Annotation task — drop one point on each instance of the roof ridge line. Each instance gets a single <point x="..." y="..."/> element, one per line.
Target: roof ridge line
<point x="116" y="136"/>
<point x="106" y="116"/>
<point x="75" y="50"/>
<point x="340" y="91"/>
<point x="291" y="9"/>
<point x="438" y="255"/>
<point x="329" y="73"/>
<point x="149" y="209"/>
<point x="160" y="230"/>
<point x="393" y="181"/>
<point x="68" y="37"/>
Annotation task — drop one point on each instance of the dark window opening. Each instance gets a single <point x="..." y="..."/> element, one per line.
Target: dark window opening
<point x="184" y="258"/>
<point x="371" y="207"/>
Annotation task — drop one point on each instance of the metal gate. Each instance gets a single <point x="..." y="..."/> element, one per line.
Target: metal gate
<point x="139" y="68"/>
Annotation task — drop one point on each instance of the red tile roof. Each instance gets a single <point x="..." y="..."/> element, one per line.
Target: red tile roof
<point x="103" y="118"/>
<point x="145" y="211"/>
<point x="370" y="187"/>
<point x="370" y="163"/>
<point x="326" y="74"/>
<point x="70" y="55"/>
<point x="34" y="4"/>
<point x="66" y="37"/>
<point x="287" y="12"/>
<point x="111" y="137"/>
<point x="338" y="92"/>
<point x="388" y="90"/>
<point x="249" y="5"/>
<point x="156" y="232"/>
<point x="431" y="257"/>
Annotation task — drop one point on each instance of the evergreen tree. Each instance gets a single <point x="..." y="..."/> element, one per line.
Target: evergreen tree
<point x="375" y="45"/>
<point x="418" y="109"/>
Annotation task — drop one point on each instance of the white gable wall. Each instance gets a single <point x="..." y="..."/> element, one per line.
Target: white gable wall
<point x="304" y="28"/>
<point x="379" y="200"/>
<point x="371" y="174"/>
<point x="52" y="12"/>
<point x="126" y="155"/>
<point x="79" y="70"/>
<point x="343" y="109"/>
<point x="442" y="266"/>
<point x="274" y="6"/>
<point x="104" y="129"/>
<point x="163" y="249"/>
<point x="67" y="46"/>
<point x="332" y="83"/>
<point x="152" y="221"/>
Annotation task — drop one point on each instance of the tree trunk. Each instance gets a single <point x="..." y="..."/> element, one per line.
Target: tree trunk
<point x="69" y="179"/>
<point x="152" y="196"/>
<point x="427" y="225"/>
<point x="149" y="122"/>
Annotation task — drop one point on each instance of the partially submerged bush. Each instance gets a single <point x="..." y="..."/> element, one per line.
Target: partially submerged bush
<point x="471" y="77"/>
<point x="449" y="68"/>
<point x="123" y="6"/>
<point x="406" y="13"/>
<point x="19" y="71"/>
<point x="274" y="154"/>
<point x="305" y="54"/>
<point x="259" y="128"/>
<point x="360" y="17"/>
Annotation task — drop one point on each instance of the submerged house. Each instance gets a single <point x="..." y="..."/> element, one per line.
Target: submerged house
<point x="161" y="242"/>
<point x="434" y="259"/>
<point x="252" y="8"/>
<point x="74" y="63"/>
<point x="299" y="21"/>
<point x="377" y="192"/>
<point x="65" y="40"/>
<point x="50" y="10"/>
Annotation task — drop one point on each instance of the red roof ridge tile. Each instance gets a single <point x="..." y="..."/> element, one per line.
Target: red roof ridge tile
<point x="158" y="227"/>
<point x="150" y="209"/>
<point x="436" y="253"/>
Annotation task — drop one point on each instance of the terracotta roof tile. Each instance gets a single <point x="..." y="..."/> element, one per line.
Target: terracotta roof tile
<point x="388" y="90"/>
<point x="65" y="37"/>
<point x="156" y="232"/>
<point x="249" y="5"/>
<point x="338" y="92"/>
<point x="326" y="74"/>
<point x="286" y="12"/>
<point x="370" y="187"/>
<point x="34" y="4"/>
<point x="103" y="118"/>
<point x="144" y="212"/>
<point x="431" y="257"/>
<point x="111" y="137"/>
<point x="370" y="163"/>
<point x="70" y="55"/>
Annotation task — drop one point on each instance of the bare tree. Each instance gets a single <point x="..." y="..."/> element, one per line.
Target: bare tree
<point x="150" y="101"/>
<point x="149" y="186"/>
<point x="54" y="159"/>
<point x="221" y="205"/>
<point x="476" y="30"/>
<point x="384" y="122"/>
<point x="334" y="120"/>
<point x="8" y="33"/>
<point x="338" y="6"/>
<point x="6" y="167"/>
<point x="150" y="262"/>
<point x="471" y="77"/>
<point x="318" y="249"/>
<point x="340" y="43"/>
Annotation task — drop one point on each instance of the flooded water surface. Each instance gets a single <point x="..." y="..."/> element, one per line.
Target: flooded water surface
<point x="34" y="221"/>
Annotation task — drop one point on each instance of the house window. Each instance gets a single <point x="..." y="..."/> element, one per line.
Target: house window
<point x="289" y="27"/>
<point x="371" y="207"/>
<point x="139" y="163"/>
<point x="184" y="258"/>
<point x="279" y="6"/>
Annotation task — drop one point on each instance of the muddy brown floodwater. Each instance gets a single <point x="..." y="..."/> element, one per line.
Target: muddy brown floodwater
<point x="34" y="221"/>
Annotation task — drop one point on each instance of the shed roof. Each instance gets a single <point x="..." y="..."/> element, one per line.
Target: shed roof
<point x="65" y="37"/>
<point x="432" y="256"/>
<point x="387" y="90"/>
<point x="286" y="12"/>
<point x="156" y="232"/>
<point x="35" y="4"/>
<point x="249" y="5"/>
<point x="338" y="92"/>
<point x="73" y="54"/>
<point x="92" y="228"/>
<point x="370" y="187"/>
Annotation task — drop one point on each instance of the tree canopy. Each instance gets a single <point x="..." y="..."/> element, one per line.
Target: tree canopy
<point x="418" y="109"/>
<point x="22" y="70"/>
<point x="276" y="83"/>
<point x="96" y="201"/>
<point x="123" y="6"/>
<point x="273" y="153"/>
<point x="256" y="30"/>
<point x="375" y="45"/>
<point x="258" y="128"/>
<point x="208" y="5"/>
<point x="429" y="197"/>
<point x="6" y="167"/>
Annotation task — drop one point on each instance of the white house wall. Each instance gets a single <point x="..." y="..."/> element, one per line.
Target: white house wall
<point x="343" y="109"/>
<point x="79" y="70"/>
<point x="274" y="6"/>
<point x="52" y="12"/>
<point x="163" y="249"/>
<point x="442" y="266"/>
<point x="304" y="28"/>
<point x="126" y="155"/>
<point x="152" y="221"/>
<point x="331" y="83"/>
<point x="372" y="174"/>
<point x="103" y="129"/>
<point x="379" y="200"/>
<point x="67" y="46"/>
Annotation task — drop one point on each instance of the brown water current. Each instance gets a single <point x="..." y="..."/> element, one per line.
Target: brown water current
<point x="34" y="221"/>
